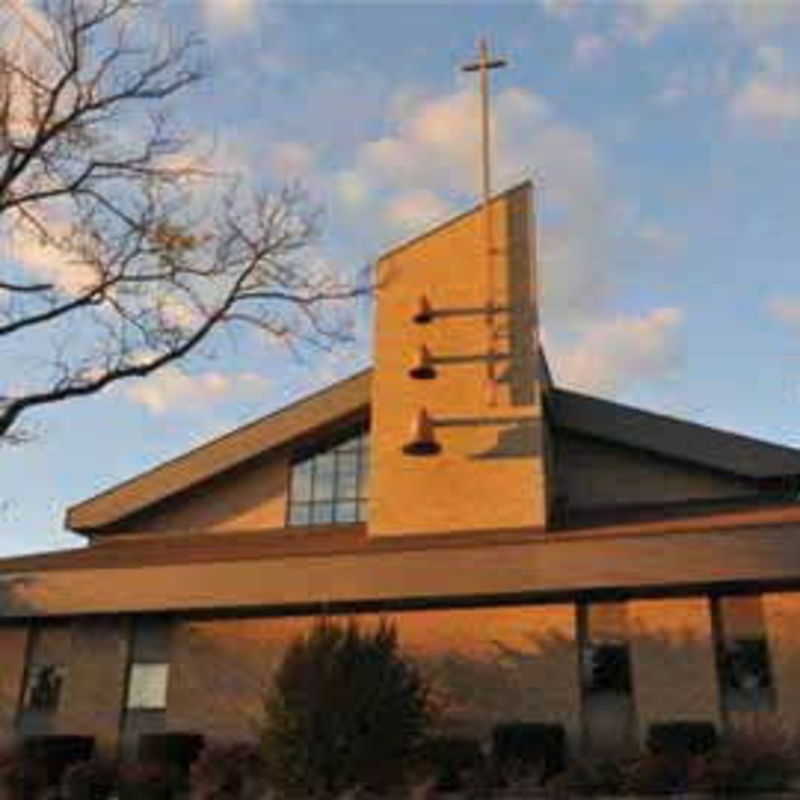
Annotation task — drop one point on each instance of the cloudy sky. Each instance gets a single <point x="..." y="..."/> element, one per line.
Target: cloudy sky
<point x="664" y="140"/>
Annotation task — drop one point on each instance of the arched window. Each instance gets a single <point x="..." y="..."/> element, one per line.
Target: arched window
<point x="329" y="485"/>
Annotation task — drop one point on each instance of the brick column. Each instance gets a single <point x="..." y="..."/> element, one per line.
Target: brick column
<point x="13" y="652"/>
<point x="95" y="685"/>
<point x="672" y="654"/>
<point x="782" y="621"/>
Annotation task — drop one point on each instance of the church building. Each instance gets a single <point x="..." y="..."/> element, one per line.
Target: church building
<point x="545" y="555"/>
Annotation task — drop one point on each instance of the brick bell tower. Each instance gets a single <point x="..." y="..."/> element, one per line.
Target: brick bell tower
<point x="458" y="435"/>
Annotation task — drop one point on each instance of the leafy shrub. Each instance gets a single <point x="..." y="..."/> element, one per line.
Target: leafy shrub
<point x="681" y="738"/>
<point x="588" y="777"/>
<point x="346" y="710"/>
<point x="88" y="780"/>
<point x="760" y="758"/>
<point x="233" y="771"/>
<point x="143" y="780"/>
<point x="21" y="777"/>
<point x="522" y="747"/>
<point x="666" y="773"/>
<point x="451" y="759"/>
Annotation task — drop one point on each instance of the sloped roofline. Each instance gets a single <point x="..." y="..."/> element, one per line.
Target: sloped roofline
<point x="437" y="227"/>
<point x="671" y="437"/>
<point x="569" y="410"/>
<point x="313" y="411"/>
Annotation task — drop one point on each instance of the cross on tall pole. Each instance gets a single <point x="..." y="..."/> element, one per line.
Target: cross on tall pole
<point x="482" y="66"/>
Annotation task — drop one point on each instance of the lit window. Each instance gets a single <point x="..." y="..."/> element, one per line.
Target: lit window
<point x="147" y="686"/>
<point x="44" y="687"/>
<point x="743" y="660"/>
<point x="329" y="486"/>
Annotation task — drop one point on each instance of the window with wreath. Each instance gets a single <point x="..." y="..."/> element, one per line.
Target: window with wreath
<point x="745" y="673"/>
<point x="43" y="690"/>
<point x="328" y="485"/>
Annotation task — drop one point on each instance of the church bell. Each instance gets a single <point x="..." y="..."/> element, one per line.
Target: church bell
<point x="423" y="441"/>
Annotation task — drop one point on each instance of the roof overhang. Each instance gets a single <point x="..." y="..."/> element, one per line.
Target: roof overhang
<point x="342" y="400"/>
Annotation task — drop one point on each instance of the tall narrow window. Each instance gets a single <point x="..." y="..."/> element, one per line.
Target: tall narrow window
<point x="148" y="673"/>
<point x="745" y="673"/>
<point x="608" y="716"/>
<point x="329" y="486"/>
<point x="43" y="691"/>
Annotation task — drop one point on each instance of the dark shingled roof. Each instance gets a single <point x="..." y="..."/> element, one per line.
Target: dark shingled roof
<point x="674" y="438"/>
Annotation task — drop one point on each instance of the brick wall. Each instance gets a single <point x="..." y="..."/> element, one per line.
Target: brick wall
<point x="673" y="664"/>
<point x="782" y="618"/>
<point x="94" y="690"/>
<point x="13" y="648"/>
<point x="488" y="666"/>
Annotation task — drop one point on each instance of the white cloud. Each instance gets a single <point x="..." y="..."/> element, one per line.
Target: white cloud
<point x="171" y="388"/>
<point x="292" y="159"/>
<point x="770" y="98"/>
<point x="229" y="16"/>
<point x="757" y="17"/>
<point x="430" y="162"/>
<point x="643" y="20"/>
<point x="560" y="8"/>
<point x="661" y="238"/>
<point x="785" y="309"/>
<point x="352" y="189"/>
<point x="613" y="353"/>
<point x="589" y="48"/>
<point x="764" y="100"/>
<point x="44" y="259"/>
<point x="416" y="209"/>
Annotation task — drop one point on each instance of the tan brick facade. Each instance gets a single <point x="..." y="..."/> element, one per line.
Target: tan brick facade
<point x="13" y="652"/>
<point x="95" y="687"/>
<point x="674" y="671"/>
<point x="782" y="619"/>
<point x="490" y="472"/>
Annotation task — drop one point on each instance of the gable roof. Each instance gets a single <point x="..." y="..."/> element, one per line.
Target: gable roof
<point x="671" y="437"/>
<point x="345" y="398"/>
<point x="568" y="410"/>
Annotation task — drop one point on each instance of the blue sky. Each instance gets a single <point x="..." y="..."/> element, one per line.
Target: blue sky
<point x="664" y="139"/>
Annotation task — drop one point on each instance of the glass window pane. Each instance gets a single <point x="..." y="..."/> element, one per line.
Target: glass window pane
<point x="322" y="513"/>
<point x="324" y="476"/>
<point x="44" y="687"/>
<point x="350" y="445"/>
<point x="147" y="686"/>
<point x="362" y="512"/>
<point x="301" y="480"/>
<point x="346" y="511"/>
<point x="300" y="514"/>
<point x="347" y="475"/>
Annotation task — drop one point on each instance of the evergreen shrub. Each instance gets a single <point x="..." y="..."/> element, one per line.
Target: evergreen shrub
<point x="346" y="710"/>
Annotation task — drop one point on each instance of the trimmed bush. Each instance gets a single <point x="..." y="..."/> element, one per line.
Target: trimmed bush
<point x="346" y="710"/>
<point x="526" y="746"/>
<point x="667" y="773"/>
<point x="682" y="738"/>
<point x="589" y="778"/>
<point x="450" y="759"/>
<point x="88" y="780"/>
<point x="146" y="781"/>
<point x="233" y="771"/>
<point x="760" y="758"/>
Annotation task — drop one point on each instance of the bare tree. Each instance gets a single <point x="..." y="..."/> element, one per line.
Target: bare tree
<point x="119" y="258"/>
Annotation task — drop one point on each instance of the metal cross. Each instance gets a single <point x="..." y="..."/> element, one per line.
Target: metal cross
<point x="482" y="66"/>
